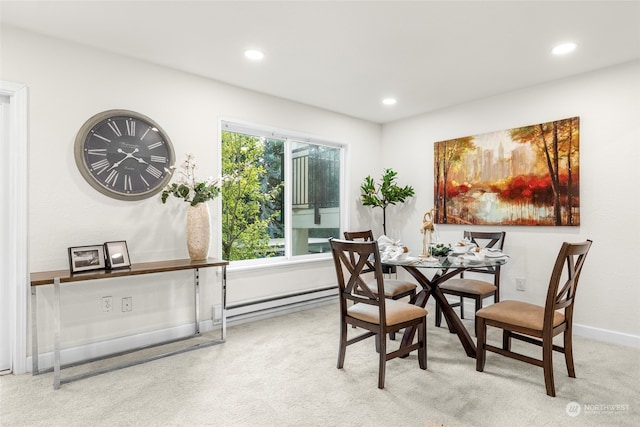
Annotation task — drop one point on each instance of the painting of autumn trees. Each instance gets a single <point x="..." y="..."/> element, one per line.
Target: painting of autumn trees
<point x="522" y="176"/>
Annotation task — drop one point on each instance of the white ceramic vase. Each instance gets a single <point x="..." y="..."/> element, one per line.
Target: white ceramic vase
<point x="198" y="231"/>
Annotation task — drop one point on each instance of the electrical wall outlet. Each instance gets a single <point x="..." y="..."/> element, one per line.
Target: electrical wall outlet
<point x="521" y="284"/>
<point x="107" y="304"/>
<point x="127" y="304"/>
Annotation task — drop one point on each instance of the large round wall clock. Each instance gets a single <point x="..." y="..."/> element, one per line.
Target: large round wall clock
<point x="124" y="155"/>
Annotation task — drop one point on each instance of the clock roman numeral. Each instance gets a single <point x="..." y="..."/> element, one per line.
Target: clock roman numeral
<point x="113" y="176"/>
<point x="144" y="180"/>
<point x="101" y="137"/>
<point x="145" y="133"/>
<point x="131" y="127"/>
<point x="127" y="183"/>
<point x="155" y="145"/>
<point x="114" y="128"/>
<point x="102" y="164"/>
<point x="152" y="170"/>
<point x="97" y="151"/>
<point x="158" y="159"/>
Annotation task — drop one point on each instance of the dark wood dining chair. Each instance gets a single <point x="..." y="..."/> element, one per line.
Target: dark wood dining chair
<point x="537" y="324"/>
<point x="361" y="307"/>
<point x="475" y="289"/>
<point x="393" y="288"/>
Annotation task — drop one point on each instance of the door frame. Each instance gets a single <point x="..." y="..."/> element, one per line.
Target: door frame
<point x="17" y="271"/>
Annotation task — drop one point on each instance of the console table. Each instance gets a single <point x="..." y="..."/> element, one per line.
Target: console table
<point x="58" y="277"/>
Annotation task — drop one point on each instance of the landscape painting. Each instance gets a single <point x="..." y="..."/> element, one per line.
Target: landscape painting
<point x="523" y="176"/>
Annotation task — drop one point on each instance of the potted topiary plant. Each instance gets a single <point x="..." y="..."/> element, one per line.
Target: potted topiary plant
<point x="384" y="194"/>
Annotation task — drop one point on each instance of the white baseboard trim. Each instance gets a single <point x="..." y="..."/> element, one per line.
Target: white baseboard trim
<point x="249" y="312"/>
<point x="608" y="336"/>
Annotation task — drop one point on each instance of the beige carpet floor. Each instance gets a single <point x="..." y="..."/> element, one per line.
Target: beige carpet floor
<point x="282" y="372"/>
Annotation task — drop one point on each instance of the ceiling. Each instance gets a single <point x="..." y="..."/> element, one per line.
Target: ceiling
<point x="345" y="56"/>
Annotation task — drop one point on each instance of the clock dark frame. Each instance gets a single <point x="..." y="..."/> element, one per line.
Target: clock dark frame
<point x="83" y="167"/>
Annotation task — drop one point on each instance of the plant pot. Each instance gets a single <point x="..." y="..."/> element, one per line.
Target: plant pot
<point x="198" y="231"/>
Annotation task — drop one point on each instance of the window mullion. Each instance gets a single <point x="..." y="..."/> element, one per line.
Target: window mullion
<point x="288" y="209"/>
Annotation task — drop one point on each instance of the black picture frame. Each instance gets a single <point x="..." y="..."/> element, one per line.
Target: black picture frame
<point x="86" y="258"/>
<point x="117" y="254"/>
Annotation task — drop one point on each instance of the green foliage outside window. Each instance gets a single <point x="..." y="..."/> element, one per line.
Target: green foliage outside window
<point x="251" y="196"/>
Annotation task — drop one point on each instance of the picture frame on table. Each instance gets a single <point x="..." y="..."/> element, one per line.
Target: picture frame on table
<point x="117" y="254"/>
<point x="86" y="258"/>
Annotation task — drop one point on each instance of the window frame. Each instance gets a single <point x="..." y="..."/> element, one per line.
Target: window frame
<point x="226" y="124"/>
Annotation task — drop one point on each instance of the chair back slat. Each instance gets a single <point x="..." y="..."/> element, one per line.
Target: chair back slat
<point x="362" y="236"/>
<point x="564" y="280"/>
<point x="486" y="239"/>
<point x="350" y="265"/>
<point x="365" y="236"/>
<point x="351" y="259"/>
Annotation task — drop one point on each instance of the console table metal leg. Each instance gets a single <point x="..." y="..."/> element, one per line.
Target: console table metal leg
<point x="34" y="332"/>
<point x="223" y="285"/>
<point x="196" y="285"/>
<point x="56" y="337"/>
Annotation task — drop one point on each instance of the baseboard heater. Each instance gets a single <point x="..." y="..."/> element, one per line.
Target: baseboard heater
<point x="276" y="306"/>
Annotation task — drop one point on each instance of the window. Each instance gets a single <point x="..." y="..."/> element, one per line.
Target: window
<point x="280" y="194"/>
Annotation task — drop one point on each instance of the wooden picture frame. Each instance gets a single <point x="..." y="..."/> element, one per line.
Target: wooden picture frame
<point x="85" y="258"/>
<point x="117" y="254"/>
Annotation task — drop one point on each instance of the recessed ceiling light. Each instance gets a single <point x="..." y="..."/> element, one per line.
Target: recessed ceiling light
<point x="389" y="101"/>
<point x="564" y="48"/>
<point x="253" y="54"/>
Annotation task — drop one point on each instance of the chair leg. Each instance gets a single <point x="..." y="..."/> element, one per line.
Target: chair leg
<point x="461" y="308"/>
<point x="481" y="332"/>
<point x="422" y="350"/>
<point x="568" y="353"/>
<point x="342" y="349"/>
<point x="547" y="365"/>
<point x="412" y="297"/>
<point x="438" y="315"/>
<point x="478" y="307"/>
<point x="506" y="340"/>
<point x="383" y="360"/>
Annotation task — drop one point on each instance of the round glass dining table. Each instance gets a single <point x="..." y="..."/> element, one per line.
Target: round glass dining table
<point x="443" y="269"/>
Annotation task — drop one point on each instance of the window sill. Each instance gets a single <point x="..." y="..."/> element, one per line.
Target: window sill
<point x="278" y="264"/>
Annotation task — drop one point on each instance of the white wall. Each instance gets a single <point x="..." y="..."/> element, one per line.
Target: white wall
<point x="608" y="103"/>
<point x="67" y="85"/>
